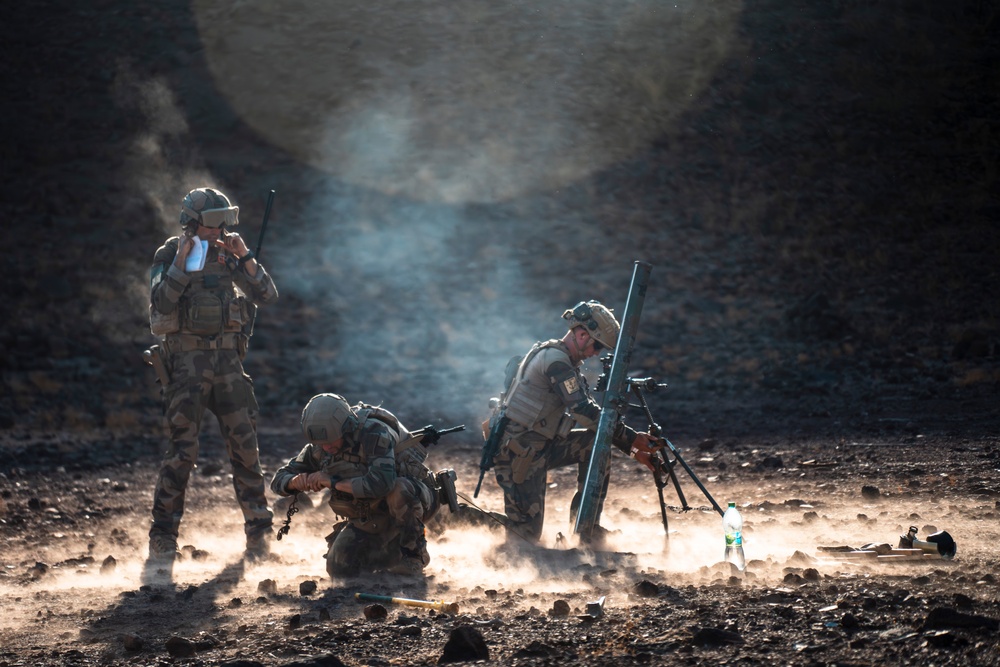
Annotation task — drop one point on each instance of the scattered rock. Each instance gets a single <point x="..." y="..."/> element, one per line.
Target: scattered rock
<point x="559" y="608"/>
<point x="535" y="649"/>
<point x="294" y="621"/>
<point x="307" y="587"/>
<point x="132" y="643"/>
<point x="268" y="587"/>
<point x="375" y="612"/>
<point x="801" y="558"/>
<point x="870" y="492"/>
<point x="180" y="647"/>
<point x="109" y="565"/>
<point x="646" y="589"/>
<point x="771" y="462"/>
<point x="465" y="644"/>
<point x="715" y="637"/>
<point x="945" y="617"/>
<point x="38" y="570"/>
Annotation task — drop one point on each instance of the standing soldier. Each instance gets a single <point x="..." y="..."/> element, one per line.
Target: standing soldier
<point x="552" y="419"/>
<point x="375" y="472"/>
<point x="204" y="287"/>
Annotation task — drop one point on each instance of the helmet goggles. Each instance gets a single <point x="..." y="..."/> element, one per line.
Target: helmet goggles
<point x="216" y="217"/>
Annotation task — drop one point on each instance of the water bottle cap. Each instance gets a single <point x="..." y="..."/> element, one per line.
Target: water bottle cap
<point x="732" y="504"/>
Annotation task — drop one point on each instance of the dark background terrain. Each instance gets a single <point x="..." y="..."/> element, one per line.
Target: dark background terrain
<point x="822" y="221"/>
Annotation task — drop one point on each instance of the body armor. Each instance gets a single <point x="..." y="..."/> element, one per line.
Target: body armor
<point x="532" y="403"/>
<point x="210" y="305"/>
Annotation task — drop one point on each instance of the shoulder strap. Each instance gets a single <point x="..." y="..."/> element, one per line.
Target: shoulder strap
<point x="366" y="412"/>
<point x="535" y="349"/>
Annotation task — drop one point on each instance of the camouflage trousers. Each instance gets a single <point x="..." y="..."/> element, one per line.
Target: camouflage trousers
<point x="211" y="380"/>
<point x="522" y="465"/>
<point x="354" y="547"/>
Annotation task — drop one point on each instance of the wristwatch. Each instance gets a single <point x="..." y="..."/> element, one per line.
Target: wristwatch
<point x="245" y="258"/>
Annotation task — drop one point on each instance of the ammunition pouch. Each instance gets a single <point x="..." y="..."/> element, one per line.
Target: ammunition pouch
<point x="161" y="324"/>
<point x="203" y="314"/>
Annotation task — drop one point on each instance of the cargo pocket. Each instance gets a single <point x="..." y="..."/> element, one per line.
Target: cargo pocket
<point x="521" y="464"/>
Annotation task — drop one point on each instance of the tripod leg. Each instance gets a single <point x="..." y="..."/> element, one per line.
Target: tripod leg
<point x="693" y="476"/>
<point x="663" y="504"/>
<point x="677" y="486"/>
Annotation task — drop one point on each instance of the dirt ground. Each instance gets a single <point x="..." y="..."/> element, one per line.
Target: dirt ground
<point x="814" y="184"/>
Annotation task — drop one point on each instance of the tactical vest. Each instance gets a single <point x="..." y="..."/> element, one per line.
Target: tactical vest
<point x="210" y="304"/>
<point x="530" y="400"/>
<point x="409" y="453"/>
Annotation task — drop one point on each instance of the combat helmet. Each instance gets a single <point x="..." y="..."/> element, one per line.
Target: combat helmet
<point x="326" y="418"/>
<point x="208" y="207"/>
<point x="597" y="319"/>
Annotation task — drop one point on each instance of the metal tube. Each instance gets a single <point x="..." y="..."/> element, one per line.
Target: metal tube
<point x="614" y="404"/>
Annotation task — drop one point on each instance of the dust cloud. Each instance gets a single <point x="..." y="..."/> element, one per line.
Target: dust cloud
<point x="476" y="102"/>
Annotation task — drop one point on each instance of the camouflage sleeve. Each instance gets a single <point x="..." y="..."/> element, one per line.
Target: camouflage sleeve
<point x="260" y="287"/>
<point x="574" y="394"/>
<point x="310" y="459"/>
<point x="166" y="281"/>
<point x="569" y="385"/>
<point x="378" y="443"/>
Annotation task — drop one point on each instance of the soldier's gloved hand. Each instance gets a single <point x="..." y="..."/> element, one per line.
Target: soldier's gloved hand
<point x="643" y="457"/>
<point x="311" y="481"/>
<point x="317" y="481"/>
<point x="645" y="442"/>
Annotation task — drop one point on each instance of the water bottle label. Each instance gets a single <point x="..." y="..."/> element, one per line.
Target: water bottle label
<point x="734" y="539"/>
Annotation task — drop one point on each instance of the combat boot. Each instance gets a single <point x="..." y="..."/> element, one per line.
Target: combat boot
<point x="164" y="548"/>
<point x="411" y="563"/>
<point x="408" y="566"/>
<point x="258" y="547"/>
<point x="598" y="540"/>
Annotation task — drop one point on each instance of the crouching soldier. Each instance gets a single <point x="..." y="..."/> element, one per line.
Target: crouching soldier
<point x="378" y="483"/>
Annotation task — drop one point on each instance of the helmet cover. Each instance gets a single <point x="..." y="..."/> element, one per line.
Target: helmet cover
<point x="210" y="208"/>
<point x="326" y="418"/>
<point x="597" y="319"/>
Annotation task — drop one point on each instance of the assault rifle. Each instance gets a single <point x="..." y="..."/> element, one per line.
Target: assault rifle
<point x="490" y="449"/>
<point x="429" y="435"/>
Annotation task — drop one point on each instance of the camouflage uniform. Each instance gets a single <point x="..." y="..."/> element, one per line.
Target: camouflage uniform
<point x="392" y="496"/>
<point x="203" y="319"/>
<point x="549" y="398"/>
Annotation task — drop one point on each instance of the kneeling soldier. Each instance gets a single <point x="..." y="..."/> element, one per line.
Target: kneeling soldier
<point x="378" y="482"/>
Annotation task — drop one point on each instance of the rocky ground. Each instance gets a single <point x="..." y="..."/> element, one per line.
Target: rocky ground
<point x="814" y="185"/>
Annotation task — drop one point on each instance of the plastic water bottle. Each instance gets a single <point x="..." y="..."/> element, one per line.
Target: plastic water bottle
<point x="732" y="524"/>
